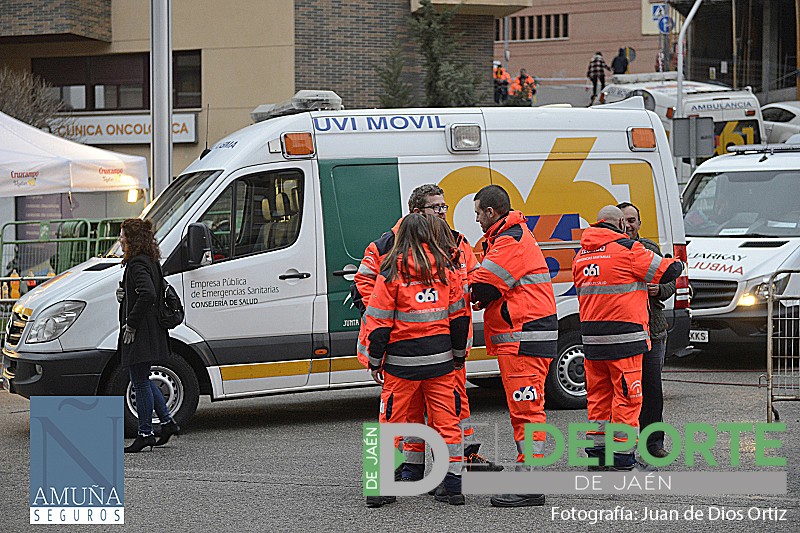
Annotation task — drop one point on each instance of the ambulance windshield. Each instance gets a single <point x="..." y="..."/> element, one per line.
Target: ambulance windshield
<point x="743" y="204"/>
<point x="173" y="203"/>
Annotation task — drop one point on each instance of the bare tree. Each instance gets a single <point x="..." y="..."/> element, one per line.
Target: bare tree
<point x="30" y="99"/>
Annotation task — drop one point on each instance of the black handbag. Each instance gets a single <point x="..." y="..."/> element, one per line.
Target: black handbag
<point x="169" y="307"/>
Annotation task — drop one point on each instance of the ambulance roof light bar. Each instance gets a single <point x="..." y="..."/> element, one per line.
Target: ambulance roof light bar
<point x="763" y="148"/>
<point x="302" y="101"/>
<point x="645" y="77"/>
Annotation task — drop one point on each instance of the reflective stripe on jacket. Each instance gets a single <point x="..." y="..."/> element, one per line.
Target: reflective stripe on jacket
<point x="415" y="330"/>
<point x="515" y="279"/>
<point x="611" y="273"/>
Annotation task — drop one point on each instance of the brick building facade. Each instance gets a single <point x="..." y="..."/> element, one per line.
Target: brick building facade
<point x="557" y="38"/>
<point x="339" y="44"/>
<point x="29" y="20"/>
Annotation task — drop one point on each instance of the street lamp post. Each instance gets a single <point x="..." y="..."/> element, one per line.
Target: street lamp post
<point x="681" y="37"/>
<point x="161" y="94"/>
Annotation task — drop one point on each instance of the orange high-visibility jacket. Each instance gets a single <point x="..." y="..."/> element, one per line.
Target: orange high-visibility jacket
<point x="502" y="75"/>
<point x="468" y="265"/>
<point x="611" y="273"/>
<point x="513" y="285"/>
<point x="370" y="267"/>
<point x="415" y="330"/>
<point x="528" y="83"/>
<point x="364" y="280"/>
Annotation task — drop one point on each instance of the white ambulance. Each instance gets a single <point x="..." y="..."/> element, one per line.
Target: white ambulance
<point x="290" y="203"/>
<point x="742" y="225"/>
<point x="736" y="113"/>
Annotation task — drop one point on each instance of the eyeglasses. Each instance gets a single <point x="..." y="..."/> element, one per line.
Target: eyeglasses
<point x="441" y="208"/>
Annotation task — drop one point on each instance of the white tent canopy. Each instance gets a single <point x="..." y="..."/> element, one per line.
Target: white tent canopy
<point x="33" y="161"/>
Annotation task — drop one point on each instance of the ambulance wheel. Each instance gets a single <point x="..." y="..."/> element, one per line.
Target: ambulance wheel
<point x="565" y="387"/>
<point x="177" y="381"/>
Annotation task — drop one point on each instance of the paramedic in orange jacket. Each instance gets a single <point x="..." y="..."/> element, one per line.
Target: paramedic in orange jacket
<point x="427" y="199"/>
<point x="416" y="325"/>
<point x="611" y="273"/>
<point x="523" y="84"/>
<point x="520" y="322"/>
<point x="502" y="79"/>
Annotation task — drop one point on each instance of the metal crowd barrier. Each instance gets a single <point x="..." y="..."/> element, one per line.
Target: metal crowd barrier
<point x="783" y="344"/>
<point x="40" y="246"/>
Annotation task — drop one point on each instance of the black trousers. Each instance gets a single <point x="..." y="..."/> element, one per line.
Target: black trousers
<point x="594" y="84"/>
<point x="652" y="394"/>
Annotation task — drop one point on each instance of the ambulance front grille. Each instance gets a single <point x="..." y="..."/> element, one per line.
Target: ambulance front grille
<point x="711" y="294"/>
<point x="16" y="325"/>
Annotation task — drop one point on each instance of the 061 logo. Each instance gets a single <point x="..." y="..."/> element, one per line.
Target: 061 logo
<point x="591" y="270"/>
<point x="526" y="394"/>
<point x="428" y="295"/>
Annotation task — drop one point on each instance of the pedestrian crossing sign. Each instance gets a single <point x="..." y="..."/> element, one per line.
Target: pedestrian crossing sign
<point x="658" y="11"/>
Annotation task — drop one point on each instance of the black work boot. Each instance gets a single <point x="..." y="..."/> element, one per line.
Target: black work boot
<point x="439" y="488"/>
<point x="451" y="490"/>
<point x="474" y="462"/>
<point x="378" y="501"/>
<point x="517" y="500"/>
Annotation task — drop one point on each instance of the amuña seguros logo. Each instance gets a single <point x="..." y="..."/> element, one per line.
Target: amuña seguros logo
<point x="76" y="460"/>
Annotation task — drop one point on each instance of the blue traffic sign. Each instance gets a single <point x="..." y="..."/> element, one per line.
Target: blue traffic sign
<point x="665" y="24"/>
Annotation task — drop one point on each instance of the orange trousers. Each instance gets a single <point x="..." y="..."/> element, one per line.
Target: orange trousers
<point x="398" y="397"/>
<point x="523" y="380"/>
<point x="415" y="448"/>
<point x="613" y="394"/>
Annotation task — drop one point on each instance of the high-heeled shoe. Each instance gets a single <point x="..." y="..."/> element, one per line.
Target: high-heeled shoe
<point x="141" y="443"/>
<point x="167" y="430"/>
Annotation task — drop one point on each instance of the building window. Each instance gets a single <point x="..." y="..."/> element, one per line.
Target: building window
<point x="534" y="28"/>
<point x="116" y="82"/>
<point x="186" y="80"/>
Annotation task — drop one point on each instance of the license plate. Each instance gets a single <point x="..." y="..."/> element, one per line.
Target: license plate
<point x="698" y="335"/>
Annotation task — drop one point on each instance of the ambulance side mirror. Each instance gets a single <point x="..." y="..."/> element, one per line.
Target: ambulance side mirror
<point x="198" y="246"/>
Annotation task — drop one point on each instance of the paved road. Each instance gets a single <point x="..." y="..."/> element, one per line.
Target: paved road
<point x="293" y="463"/>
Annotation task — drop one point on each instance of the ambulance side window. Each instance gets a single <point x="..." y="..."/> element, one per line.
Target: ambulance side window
<point x="218" y="220"/>
<point x="257" y="213"/>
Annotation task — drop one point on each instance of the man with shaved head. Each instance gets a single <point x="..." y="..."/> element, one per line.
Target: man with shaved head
<point x="611" y="272"/>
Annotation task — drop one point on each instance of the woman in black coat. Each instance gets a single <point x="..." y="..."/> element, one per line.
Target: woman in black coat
<point x="142" y="340"/>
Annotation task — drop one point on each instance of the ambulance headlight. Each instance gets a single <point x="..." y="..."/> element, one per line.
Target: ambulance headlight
<point x="465" y="137"/>
<point x="54" y="321"/>
<point x="756" y="291"/>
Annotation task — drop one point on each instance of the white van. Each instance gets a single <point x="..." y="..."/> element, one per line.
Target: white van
<point x="737" y="114"/>
<point x="742" y="224"/>
<point x="290" y="203"/>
